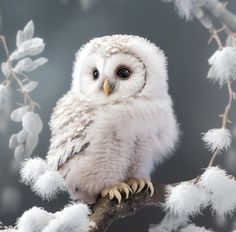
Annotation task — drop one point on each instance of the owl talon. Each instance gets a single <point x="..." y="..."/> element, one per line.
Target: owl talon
<point x="116" y="191"/>
<point x="137" y="185"/>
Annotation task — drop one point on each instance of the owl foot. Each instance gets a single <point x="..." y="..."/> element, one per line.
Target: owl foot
<point x="116" y="191"/>
<point x="137" y="185"/>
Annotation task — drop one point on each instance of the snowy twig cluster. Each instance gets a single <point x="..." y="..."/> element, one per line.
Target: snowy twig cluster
<point x="73" y="218"/>
<point x="222" y="62"/>
<point x="16" y="68"/>
<point x="215" y="189"/>
<point x="188" y="9"/>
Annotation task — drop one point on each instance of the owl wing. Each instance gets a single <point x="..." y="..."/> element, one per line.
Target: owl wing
<point x="69" y="122"/>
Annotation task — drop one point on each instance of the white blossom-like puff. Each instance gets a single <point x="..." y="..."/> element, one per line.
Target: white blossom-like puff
<point x="73" y="218"/>
<point x="169" y="223"/>
<point x="223" y="65"/>
<point x="221" y="189"/>
<point x="32" y="169"/>
<point x="34" y="220"/>
<point x="217" y="139"/>
<point x="186" y="199"/>
<point x="186" y="8"/>
<point x="49" y="185"/>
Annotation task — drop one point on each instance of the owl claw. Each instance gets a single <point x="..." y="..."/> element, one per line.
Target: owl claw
<point x="116" y="191"/>
<point x="137" y="185"/>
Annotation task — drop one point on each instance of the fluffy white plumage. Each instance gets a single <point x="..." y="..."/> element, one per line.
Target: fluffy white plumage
<point x="193" y="199"/>
<point x="219" y="138"/>
<point x="223" y="65"/>
<point x="99" y="140"/>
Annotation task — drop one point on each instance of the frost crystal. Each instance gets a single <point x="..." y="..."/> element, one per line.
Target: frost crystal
<point x="185" y="199"/>
<point x="217" y="139"/>
<point x="223" y="65"/>
<point x="221" y="189"/>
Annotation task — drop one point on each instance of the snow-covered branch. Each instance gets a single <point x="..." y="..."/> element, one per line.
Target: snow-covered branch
<point x="214" y="188"/>
<point x="16" y="67"/>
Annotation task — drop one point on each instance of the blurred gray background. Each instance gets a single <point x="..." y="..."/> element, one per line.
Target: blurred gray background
<point x="67" y="24"/>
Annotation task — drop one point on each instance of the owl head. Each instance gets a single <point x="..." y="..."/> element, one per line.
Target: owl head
<point x="119" y="67"/>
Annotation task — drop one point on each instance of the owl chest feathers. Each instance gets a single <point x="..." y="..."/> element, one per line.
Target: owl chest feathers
<point x="86" y="129"/>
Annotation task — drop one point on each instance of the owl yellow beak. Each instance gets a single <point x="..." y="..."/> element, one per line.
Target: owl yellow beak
<point x="107" y="87"/>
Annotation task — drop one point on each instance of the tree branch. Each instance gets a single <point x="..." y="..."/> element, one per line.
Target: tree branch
<point x="107" y="211"/>
<point x="218" y="11"/>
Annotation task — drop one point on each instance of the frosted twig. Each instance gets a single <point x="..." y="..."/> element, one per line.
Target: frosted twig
<point x="26" y="96"/>
<point x="231" y="93"/>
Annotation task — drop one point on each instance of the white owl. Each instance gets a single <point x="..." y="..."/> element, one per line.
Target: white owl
<point x="116" y="122"/>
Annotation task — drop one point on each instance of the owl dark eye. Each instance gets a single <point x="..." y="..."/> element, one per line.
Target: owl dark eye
<point x="95" y="74"/>
<point x="124" y="73"/>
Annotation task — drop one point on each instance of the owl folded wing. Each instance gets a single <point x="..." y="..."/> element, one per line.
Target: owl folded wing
<point x="68" y="124"/>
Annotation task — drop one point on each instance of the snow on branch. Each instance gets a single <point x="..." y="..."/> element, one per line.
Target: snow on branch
<point x="181" y="201"/>
<point x="217" y="139"/>
<point x="73" y="218"/>
<point x="205" y="11"/>
<point x="16" y="68"/>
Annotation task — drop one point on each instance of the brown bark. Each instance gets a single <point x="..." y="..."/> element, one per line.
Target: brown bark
<point x="107" y="211"/>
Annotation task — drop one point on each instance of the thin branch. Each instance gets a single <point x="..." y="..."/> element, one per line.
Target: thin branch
<point x="3" y="39"/>
<point x="213" y="157"/>
<point x="231" y="93"/>
<point x="219" y="11"/>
